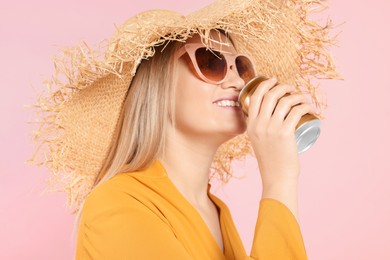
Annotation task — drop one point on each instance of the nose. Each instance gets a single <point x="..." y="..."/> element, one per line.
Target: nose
<point x="233" y="79"/>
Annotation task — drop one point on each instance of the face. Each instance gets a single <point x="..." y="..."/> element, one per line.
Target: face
<point x="204" y="109"/>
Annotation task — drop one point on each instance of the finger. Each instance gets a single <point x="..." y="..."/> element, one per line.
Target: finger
<point x="257" y="97"/>
<point x="296" y="114"/>
<point x="285" y="105"/>
<point x="272" y="98"/>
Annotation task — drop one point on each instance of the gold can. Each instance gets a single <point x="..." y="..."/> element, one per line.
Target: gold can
<point x="308" y="128"/>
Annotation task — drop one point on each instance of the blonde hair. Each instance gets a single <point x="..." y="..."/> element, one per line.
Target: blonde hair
<point x="140" y="134"/>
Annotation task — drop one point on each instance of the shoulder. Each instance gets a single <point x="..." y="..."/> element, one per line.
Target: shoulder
<point x="109" y="198"/>
<point x="123" y="193"/>
<point x="118" y="187"/>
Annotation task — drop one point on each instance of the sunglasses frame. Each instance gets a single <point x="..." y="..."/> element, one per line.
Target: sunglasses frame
<point x="191" y="48"/>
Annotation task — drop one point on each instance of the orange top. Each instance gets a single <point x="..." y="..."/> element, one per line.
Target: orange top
<point x="142" y="215"/>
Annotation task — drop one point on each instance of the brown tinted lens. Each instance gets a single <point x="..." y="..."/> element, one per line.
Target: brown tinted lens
<point x="245" y="68"/>
<point x="211" y="64"/>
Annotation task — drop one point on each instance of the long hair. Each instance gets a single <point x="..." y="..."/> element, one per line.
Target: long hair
<point x="140" y="135"/>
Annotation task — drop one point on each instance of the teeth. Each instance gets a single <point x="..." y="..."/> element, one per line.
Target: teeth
<point x="228" y="103"/>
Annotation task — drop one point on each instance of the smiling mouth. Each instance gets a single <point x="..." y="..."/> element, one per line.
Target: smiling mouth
<point x="227" y="103"/>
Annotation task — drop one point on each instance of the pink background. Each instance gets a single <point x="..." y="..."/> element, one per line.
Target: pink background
<point x="344" y="184"/>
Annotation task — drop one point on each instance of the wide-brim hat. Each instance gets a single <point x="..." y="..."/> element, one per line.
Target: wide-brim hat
<point x="79" y="114"/>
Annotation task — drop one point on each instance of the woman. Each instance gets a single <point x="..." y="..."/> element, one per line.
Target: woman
<point x="143" y="127"/>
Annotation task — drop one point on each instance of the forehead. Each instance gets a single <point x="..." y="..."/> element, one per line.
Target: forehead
<point x="217" y="41"/>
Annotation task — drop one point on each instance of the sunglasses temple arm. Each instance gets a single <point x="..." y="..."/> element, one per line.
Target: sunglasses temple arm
<point x="180" y="52"/>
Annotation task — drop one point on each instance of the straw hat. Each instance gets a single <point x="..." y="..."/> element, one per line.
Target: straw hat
<point x="79" y="114"/>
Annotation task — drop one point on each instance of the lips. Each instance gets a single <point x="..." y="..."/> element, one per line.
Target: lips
<point x="230" y="98"/>
<point x="227" y="102"/>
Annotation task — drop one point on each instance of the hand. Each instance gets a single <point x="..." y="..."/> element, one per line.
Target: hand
<point x="272" y="119"/>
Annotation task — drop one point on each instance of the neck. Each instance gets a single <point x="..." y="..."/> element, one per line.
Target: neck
<point x="187" y="162"/>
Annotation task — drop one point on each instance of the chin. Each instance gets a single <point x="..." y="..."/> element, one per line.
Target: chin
<point x="238" y="129"/>
<point x="235" y="132"/>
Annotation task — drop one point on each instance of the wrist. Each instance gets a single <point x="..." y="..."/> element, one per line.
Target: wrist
<point x="285" y="192"/>
<point x="280" y="184"/>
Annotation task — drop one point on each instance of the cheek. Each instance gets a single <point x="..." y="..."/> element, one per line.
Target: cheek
<point x="193" y="103"/>
<point x="192" y="95"/>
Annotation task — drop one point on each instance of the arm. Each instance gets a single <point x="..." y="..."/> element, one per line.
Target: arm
<point x="272" y="118"/>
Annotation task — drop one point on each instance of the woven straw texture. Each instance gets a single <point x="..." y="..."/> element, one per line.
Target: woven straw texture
<point x="78" y="114"/>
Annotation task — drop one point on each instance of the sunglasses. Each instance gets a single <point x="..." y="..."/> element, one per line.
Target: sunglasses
<point x="212" y="66"/>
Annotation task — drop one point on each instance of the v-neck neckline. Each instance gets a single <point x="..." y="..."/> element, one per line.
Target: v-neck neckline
<point x="192" y="208"/>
